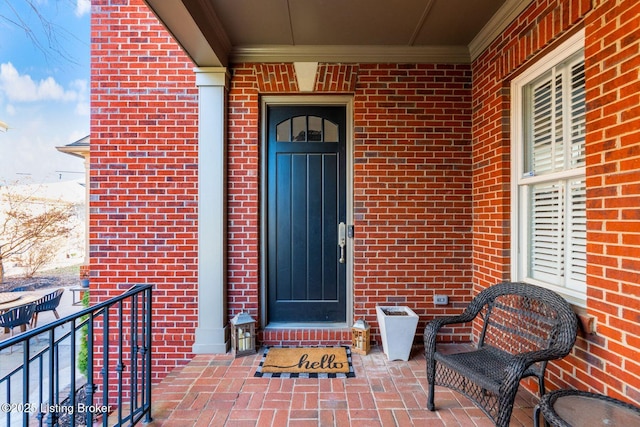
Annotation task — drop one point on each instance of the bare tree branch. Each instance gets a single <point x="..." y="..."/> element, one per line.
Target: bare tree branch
<point x="28" y="223"/>
<point x="45" y="34"/>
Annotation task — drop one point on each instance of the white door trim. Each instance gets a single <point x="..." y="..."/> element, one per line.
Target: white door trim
<point x="301" y="100"/>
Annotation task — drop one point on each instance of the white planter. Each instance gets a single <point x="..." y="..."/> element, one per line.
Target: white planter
<point x="397" y="331"/>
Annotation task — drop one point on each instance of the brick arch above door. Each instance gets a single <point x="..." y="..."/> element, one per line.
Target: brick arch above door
<point x="281" y="78"/>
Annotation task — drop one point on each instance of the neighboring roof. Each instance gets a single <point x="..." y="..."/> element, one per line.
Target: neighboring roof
<point x="79" y="148"/>
<point x="216" y="33"/>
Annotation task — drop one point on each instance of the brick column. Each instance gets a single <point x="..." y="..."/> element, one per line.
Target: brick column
<point x="212" y="335"/>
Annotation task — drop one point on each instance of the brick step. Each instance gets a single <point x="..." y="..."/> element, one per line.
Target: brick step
<point x="304" y="336"/>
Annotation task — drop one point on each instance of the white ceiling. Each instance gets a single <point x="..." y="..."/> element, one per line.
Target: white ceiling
<point x="217" y="32"/>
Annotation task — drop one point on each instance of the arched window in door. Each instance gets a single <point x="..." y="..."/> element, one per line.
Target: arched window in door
<point x="307" y="129"/>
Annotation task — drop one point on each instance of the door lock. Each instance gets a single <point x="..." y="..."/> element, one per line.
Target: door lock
<point x="342" y="240"/>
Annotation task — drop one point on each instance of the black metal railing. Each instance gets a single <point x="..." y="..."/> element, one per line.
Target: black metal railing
<point x="92" y="366"/>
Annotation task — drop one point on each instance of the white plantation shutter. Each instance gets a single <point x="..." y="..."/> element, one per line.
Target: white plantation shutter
<point x="576" y="269"/>
<point x="559" y="115"/>
<point x="578" y="115"/>
<point x="551" y="180"/>
<point x="542" y="129"/>
<point x="547" y="240"/>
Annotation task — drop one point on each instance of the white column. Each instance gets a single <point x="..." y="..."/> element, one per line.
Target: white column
<point x="212" y="333"/>
<point x="87" y="203"/>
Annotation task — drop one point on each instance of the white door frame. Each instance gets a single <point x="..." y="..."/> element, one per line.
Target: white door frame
<point x="302" y="100"/>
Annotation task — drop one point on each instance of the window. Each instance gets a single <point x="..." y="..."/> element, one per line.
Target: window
<point x="307" y="129"/>
<point x="548" y="172"/>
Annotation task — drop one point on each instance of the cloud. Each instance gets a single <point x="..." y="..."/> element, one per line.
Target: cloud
<point x="83" y="7"/>
<point x="82" y="104"/>
<point x="83" y="108"/>
<point x="22" y="88"/>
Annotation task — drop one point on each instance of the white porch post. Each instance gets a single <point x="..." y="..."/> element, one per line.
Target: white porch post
<point x="212" y="331"/>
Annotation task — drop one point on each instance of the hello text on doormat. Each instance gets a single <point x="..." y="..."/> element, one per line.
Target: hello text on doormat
<point x="306" y="362"/>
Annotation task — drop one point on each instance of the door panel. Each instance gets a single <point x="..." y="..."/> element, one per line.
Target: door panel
<point x="306" y="202"/>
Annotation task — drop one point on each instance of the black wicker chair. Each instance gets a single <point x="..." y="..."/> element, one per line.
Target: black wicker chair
<point x="521" y="327"/>
<point x="48" y="302"/>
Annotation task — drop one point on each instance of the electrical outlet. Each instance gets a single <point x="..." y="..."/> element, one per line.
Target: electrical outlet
<point x="440" y="299"/>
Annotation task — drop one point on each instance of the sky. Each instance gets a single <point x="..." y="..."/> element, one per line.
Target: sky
<point x="44" y="88"/>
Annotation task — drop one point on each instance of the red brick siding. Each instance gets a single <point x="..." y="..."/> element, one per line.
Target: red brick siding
<point x="543" y="22"/>
<point x="412" y="192"/>
<point x="281" y="78"/>
<point x="604" y="362"/>
<point x="536" y="28"/>
<point x="276" y="78"/>
<point x="144" y="123"/>
<point x="412" y="185"/>
<point x="243" y="151"/>
<point x="336" y="78"/>
<point x="613" y="188"/>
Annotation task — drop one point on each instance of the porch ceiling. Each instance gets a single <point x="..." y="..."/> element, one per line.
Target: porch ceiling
<point x="218" y="32"/>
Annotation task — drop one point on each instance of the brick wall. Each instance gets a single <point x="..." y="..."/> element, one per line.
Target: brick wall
<point x="412" y="196"/>
<point x="610" y="360"/>
<point x="542" y="23"/>
<point x="534" y="30"/>
<point x="243" y="151"/>
<point x="143" y="201"/>
<point x="604" y="362"/>
<point x="412" y="189"/>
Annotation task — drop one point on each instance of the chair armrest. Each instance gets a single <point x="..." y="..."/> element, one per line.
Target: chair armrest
<point x="433" y="326"/>
<point x="470" y="313"/>
<point x="521" y="362"/>
<point x="532" y="357"/>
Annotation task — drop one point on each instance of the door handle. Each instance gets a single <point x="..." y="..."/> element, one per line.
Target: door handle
<point x="342" y="240"/>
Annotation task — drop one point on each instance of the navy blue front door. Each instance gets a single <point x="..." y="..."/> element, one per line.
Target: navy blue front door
<point x="306" y="203"/>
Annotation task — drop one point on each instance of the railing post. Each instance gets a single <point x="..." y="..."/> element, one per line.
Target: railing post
<point x="52" y="418"/>
<point x="120" y="366"/>
<point x="90" y="386"/>
<point x="148" y="352"/>
<point x="25" y="380"/>
<point x="105" y="362"/>
<point x="72" y="397"/>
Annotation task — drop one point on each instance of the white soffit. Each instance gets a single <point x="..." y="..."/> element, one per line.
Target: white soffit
<point x="216" y="32"/>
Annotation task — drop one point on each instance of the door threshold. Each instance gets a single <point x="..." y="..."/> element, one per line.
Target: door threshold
<point x="306" y="325"/>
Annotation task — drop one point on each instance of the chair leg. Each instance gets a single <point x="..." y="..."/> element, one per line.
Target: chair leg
<point x="542" y="391"/>
<point x="11" y="348"/>
<point x="431" y="379"/>
<point x="536" y="416"/>
<point x="56" y="313"/>
<point x="430" y="404"/>
<point x="34" y="320"/>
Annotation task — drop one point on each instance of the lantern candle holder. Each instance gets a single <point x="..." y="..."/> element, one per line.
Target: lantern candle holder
<point x="243" y="334"/>
<point x="361" y="337"/>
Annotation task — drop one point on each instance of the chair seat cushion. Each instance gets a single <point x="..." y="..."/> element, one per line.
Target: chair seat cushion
<point x="485" y="366"/>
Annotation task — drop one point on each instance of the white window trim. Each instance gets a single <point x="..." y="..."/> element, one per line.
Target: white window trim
<point x="518" y="246"/>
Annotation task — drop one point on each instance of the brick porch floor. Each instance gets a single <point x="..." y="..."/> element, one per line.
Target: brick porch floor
<point x="219" y="390"/>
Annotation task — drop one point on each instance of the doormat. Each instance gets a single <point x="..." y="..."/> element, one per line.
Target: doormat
<point x="306" y="362"/>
